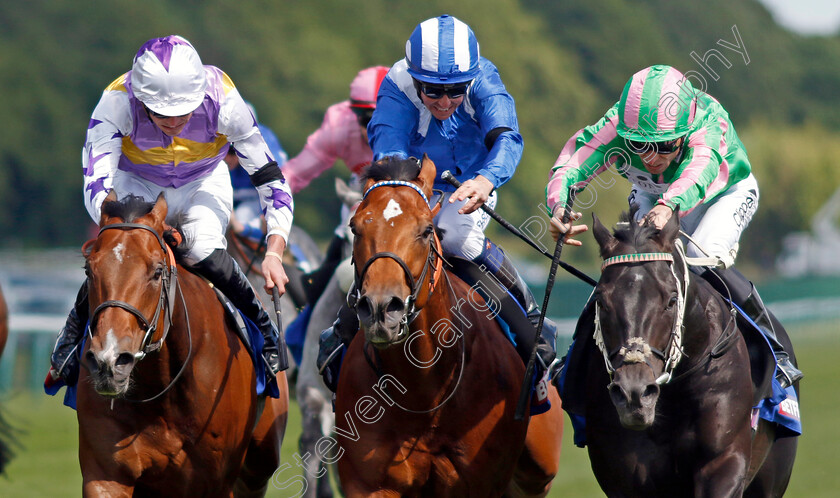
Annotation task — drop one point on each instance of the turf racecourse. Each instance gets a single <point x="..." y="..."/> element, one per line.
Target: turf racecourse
<point x="47" y="465"/>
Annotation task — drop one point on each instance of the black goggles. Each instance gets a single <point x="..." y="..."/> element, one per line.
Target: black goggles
<point x="452" y="91"/>
<point x="363" y="114"/>
<point x="161" y="116"/>
<point x="656" y="147"/>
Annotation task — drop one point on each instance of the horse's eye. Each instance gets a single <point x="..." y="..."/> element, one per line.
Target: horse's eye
<point x="428" y="231"/>
<point x="158" y="273"/>
<point x="671" y="303"/>
<point x="352" y="226"/>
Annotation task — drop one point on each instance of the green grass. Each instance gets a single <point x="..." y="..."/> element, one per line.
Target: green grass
<point x="47" y="465"/>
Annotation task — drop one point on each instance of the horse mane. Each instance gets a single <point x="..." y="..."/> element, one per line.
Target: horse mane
<point x="132" y="207"/>
<point x="631" y="233"/>
<point x="392" y="168"/>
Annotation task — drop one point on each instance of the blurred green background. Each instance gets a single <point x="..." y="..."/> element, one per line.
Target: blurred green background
<point x="565" y="62"/>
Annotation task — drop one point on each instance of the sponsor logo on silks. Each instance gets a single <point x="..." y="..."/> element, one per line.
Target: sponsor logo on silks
<point x="789" y="408"/>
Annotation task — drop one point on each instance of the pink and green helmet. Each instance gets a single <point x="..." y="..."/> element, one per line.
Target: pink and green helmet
<point x="658" y="104"/>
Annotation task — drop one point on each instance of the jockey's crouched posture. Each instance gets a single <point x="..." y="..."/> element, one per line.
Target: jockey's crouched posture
<point x="678" y="148"/>
<point x="165" y="127"/>
<point x="445" y="100"/>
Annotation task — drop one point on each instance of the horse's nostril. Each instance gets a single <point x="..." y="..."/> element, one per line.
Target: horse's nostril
<point x="364" y="309"/>
<point x="616" y="392"/>
<point x="651" y="390"/>
<point x="395" y="305"/>
<point x="124" y="359"/>
<point x="90" y="361"/>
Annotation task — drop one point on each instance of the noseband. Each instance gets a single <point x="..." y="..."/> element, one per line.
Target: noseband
<point x="636" y="347"/>
<point x="433" y="258"/>
<point x="165" y="301"/>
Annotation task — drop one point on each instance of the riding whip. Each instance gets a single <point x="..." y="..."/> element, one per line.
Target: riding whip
<point x="525" y="390"/>
<point x="281" y="339"/>
<point x="448" y="177"/>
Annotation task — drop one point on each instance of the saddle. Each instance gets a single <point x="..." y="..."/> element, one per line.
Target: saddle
<point x="510" y="312"/>
<point x="251" y="336"/>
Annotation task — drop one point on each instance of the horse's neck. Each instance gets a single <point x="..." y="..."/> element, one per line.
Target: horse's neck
<point x="186" y="334"/>
<point x="705" y="318"/>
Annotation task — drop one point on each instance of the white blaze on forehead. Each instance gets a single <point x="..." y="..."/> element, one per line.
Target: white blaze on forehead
<point x="391" y="210"/>
<point x="118" y="252"/>
<point x="110" y="350"/>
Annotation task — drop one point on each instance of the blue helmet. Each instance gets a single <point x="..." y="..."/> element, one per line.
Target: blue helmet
<point x="442" y="50"/>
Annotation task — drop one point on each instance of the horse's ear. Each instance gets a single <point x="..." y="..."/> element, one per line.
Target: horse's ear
<point x="668" y="234"/>
<point x="428" y="173"/>
<point x="348" y="196"/>
<point x="111" y="197"/>
<point x="605" y="239"/>
<point x="160" y="208"/>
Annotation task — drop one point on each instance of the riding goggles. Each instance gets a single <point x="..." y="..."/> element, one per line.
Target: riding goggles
<point x="435" y="92"/>
<point x="363" y="114"/>
<point x="656" y="147"/>
<point x="161" y="116"/>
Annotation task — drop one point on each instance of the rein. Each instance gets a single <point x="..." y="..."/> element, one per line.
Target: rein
<point x="257" y="250"/>
<point x="165" y="305"/>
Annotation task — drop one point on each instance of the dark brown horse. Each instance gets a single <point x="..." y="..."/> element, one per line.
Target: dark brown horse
<point x="427" y="393"/>
<point x="167" y="404"/>
<point x="669" y="386"/>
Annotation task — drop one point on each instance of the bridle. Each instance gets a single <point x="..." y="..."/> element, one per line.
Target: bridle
<point x="673" y="350"/>
<point x="165" y="301"/>
<point x="434" y="259"/>
<point x="165" y="305"/>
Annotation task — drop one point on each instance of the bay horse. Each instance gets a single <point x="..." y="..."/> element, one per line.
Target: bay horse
<point x="669" y="387"/>
<point x="426" y="395"/>
<point x="166" y="403"/>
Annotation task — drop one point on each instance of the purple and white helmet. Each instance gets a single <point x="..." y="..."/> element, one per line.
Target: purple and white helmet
<point x="442" y="50"/>
<point x="168" y="77"/>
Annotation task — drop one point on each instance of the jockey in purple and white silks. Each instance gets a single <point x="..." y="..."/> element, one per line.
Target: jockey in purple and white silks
<point x="446" y="101"/>
<point x="678" y="148"/>
<point x="165" y="127"/>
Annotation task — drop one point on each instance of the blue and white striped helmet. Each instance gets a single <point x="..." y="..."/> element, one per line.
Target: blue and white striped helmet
<point x="442" y="50"/>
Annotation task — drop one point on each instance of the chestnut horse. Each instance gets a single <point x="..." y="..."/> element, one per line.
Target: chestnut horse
<point x="167" y="403"/>
<point x="668" y="382"/>
<point x="426" y="395"/>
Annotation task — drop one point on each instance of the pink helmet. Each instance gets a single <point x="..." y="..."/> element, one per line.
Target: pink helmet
<point x="365" y="86"/>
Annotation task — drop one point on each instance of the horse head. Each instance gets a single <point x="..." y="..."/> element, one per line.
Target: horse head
<point x="395" y="248"/>
<point x="130" y="272"/>
<point x="639" y="303"/>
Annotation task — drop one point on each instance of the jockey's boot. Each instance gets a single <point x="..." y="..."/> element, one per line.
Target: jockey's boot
<point x="494" y="260"/>
<point x="786" y="372"/>
<point x="63" y="360"/>
<point x="223" y="272"/>
<point x="332" y="344"/>
<point x="745" y="295"/>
